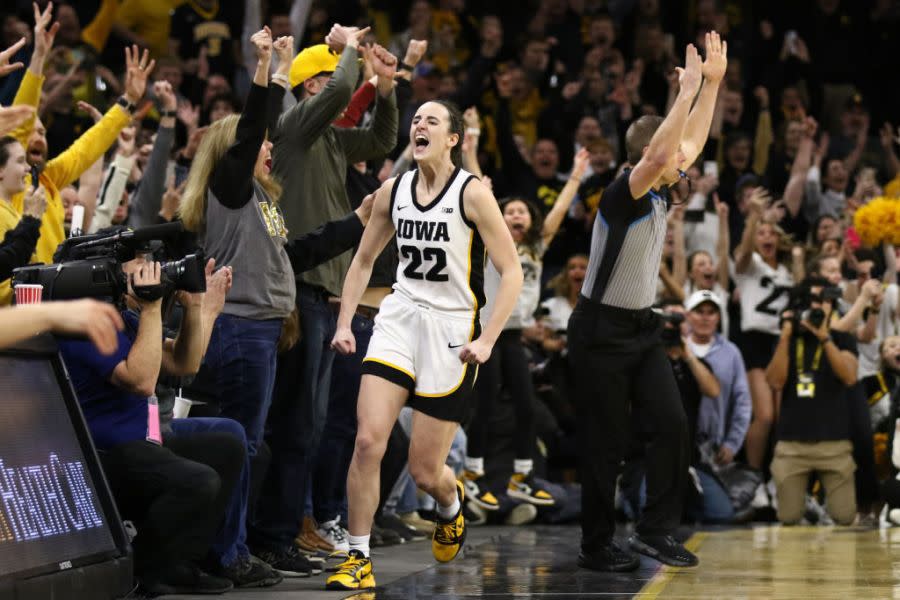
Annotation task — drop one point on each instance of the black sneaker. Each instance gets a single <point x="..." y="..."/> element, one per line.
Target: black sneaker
<point x="611" y="557"/>
<point x="246" y="572"/>
<point x="389" y="537"/>
<point x="183" y="579"/>
<point x="663" y="548"/>
<point x="394" y="523"/>
<point x="290" y="563"/>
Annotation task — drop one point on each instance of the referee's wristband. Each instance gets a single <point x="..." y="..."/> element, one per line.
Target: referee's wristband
<point x="167" y="113"/>
<point x="405" y="67"/>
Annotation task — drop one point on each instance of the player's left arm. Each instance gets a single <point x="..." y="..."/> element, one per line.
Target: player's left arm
<point x="481" y="208"/>
<point x="696" y="129"/>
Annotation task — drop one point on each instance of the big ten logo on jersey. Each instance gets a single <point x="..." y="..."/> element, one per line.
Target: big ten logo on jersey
<point x="273" y="220"/>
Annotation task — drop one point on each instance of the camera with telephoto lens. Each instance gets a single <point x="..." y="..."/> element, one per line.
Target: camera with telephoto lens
<point x="802" y="298"/>
<point x="90" y="266"/>
<point x="671" y="333"/>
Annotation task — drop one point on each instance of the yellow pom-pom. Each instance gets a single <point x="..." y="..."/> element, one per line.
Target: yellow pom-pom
<point x="878" y="222"/>
<point x="892" y="189"/>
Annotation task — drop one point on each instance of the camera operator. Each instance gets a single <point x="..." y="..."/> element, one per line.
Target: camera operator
<point x="723" y="420"/>
<point x="815" y="367"/>
<point x="175" y="488"/>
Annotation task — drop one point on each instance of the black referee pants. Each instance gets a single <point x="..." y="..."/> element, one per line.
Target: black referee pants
<point x="618" y="365"/>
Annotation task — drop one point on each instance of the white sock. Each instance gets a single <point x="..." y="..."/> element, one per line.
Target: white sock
<point x="449" y="512"/>
<point x="523" y="466"/>
<point x="360" y="543"/>
<point x="475" y="465"/>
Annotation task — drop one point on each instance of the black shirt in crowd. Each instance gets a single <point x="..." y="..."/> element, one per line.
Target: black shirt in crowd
<point x="822" y="417"/>
<point x="216" y="30"/>
<point x="384" y="270"/>
<point x="18" y="245"/>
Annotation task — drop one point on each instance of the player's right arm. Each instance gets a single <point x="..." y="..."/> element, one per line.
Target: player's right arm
<point x="667" y="139"/>
<point x="377" y="234"/>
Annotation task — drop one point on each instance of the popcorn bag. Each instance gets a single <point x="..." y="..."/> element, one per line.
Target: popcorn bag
<point x="27" y="293"/>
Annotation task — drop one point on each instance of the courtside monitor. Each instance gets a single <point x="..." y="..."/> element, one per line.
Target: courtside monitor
<point x="58" y="524"/>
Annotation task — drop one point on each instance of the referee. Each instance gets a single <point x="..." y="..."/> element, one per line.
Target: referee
<point x="619" y="365"/>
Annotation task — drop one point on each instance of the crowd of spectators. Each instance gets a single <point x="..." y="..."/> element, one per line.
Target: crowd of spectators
<point x="201" y="111"/>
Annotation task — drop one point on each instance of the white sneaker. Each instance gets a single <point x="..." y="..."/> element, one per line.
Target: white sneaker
<point x="773" y="494"/>
<point x="334" y="534"/>
<point x="893" y="516"/>
<point x="761" y="497"/>
<point x="522" y="514"/>
<point x="815" y="512"/>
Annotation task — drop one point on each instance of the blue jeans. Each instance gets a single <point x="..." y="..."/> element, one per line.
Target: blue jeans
<point x="239" y="367"/>
<point x="716" y="506"/>
<point x="296" y="422"/>
<point x="230" y="541"/>
<point x="336" y="450"/>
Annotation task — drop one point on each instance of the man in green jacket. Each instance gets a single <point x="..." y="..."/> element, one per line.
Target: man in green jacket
<point x="310" y="159"/>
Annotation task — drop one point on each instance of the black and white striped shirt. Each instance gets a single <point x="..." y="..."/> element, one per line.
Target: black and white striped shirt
<point x="626" y="247"/>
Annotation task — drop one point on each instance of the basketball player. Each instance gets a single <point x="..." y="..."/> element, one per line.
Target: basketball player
<point x="615" y="349"/>
<point x="427" y="342"/>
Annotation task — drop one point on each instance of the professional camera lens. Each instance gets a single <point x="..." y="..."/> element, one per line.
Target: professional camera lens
<point x="815" y="316"/>
<point x="187" y="274"/>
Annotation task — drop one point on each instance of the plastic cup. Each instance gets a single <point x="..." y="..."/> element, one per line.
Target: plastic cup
<point x="182" y="408"/>
<point x="29" y="293"/>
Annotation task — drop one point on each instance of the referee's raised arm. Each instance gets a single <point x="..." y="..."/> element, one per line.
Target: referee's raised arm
<point x="664" y="145"/>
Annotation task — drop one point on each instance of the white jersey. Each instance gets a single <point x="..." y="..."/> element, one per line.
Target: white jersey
<point x="441" y="256"/>
<point x="888" y="325"/>
<point x="764" y="294"/>
<point x="527" y="302"/>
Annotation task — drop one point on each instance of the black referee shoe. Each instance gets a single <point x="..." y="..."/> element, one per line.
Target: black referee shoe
<point x="663" y="548"/>
<point x="611" y="557"/>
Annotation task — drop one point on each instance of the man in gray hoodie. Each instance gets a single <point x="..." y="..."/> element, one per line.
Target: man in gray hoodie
<point x="310" y="159"/>
<point x="722" y="422"/>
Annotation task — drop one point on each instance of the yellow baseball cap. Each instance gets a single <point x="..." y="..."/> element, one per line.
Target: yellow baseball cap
<point x="312" y="61"/>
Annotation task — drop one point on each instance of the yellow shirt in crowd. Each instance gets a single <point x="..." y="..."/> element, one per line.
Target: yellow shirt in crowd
<point x="151" y="20"/>
<point x="58" y="173"/>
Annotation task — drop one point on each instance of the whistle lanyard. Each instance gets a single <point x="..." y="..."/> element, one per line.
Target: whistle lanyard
<point x="817" y="357"/>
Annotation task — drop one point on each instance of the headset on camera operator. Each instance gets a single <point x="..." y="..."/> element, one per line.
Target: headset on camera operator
<point x="815" y="367"/>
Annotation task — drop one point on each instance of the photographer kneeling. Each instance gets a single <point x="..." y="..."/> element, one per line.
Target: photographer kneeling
<point x="175" y="488"/>
<point x="815" y="367"/>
